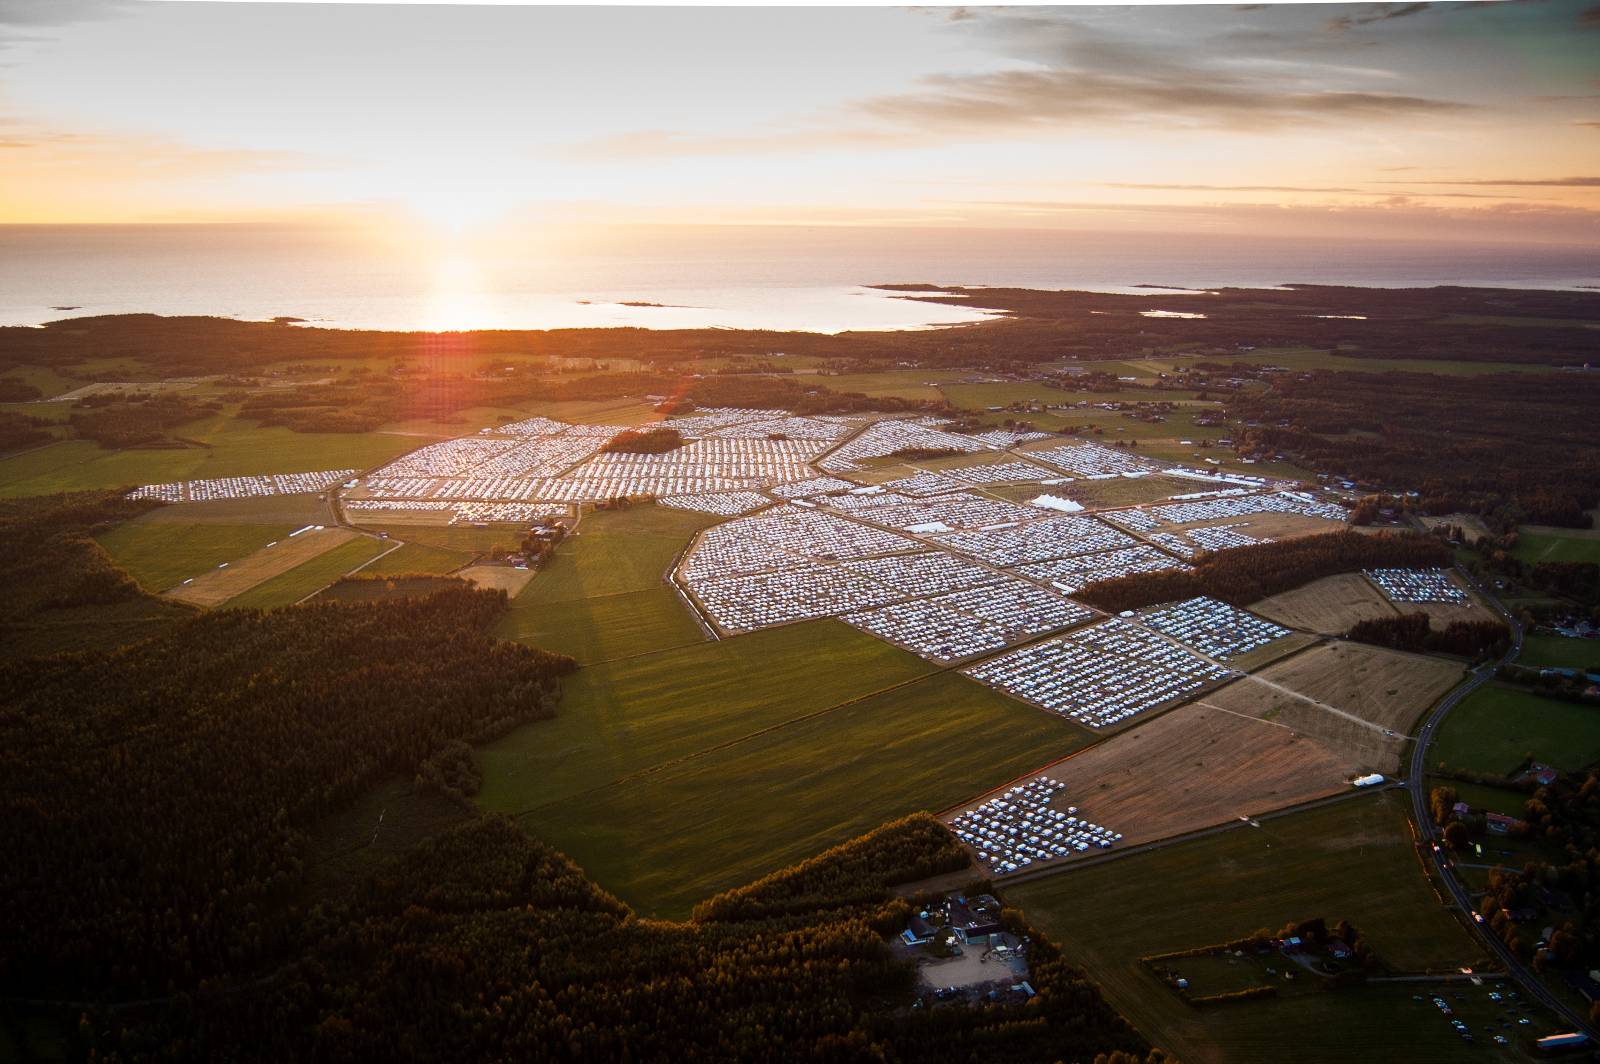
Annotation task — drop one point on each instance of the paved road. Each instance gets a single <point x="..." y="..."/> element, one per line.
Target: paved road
<point x="1429" y="834"/>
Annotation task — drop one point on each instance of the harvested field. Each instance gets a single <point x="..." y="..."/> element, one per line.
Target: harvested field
<point x="219" y="585"/>
<point x="498" y="578"/>
<point x="1329" y="606"/>
<point x="1356" y="695"/>
<point x="1195" y="767"/>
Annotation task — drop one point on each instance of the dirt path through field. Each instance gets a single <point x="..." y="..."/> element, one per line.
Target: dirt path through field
<point x="219" y="585"/>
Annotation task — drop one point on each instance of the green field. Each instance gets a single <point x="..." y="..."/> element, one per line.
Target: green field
<point x="1004" y="393"/>
<point x="419" y="558"/>
<point x="465" y="540"/>
<point x="615" y="551"/>
<point x="1535" y="547"/>
<point x="1560" y="652"/>
<point x="1496" y="726"/>
<point x="232" y="447"/>
<point x="359" y="590"/>
<point x="668" y="839"/>
<point x="1479" y="796"/>
<point x="162" y="554"/>
<point x="670" y="776"/>
<point x="285" y="589"/>
<point x="907" y="383"/>
<point x="598" y="629"/>
<point x="1352" y="860"/>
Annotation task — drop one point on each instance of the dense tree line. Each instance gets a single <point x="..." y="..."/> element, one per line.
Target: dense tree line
<point x="658" y="440"/>
<point x="1517" y="447"/>
<point x="485" y="944"/>
<point x="1414" y="631"/>
<point x="855" y="873"/>
<point x="18" y="431"/>
<point x="121" y="421"/>
<point x="48" y="560"/>
<point x="15" y="390"/>
<point x="1245" y="574"/>
<point x="154" y="797"/>
<point x="1567" y="684"/>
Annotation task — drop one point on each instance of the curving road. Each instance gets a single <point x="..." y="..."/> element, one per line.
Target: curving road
<point x="1531" y="984"/>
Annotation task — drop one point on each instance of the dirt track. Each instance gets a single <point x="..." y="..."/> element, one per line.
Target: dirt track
<point x="219" y="585"/>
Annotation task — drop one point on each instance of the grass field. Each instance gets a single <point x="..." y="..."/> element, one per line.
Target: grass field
<point x="1535" y="547"/>
<point x="419" y="558"/>
<point x="469" y="541"/>
<point x="1495" y="726"/>
<point x="162" y="554"/>
<point x="1479" y="796"/>
<point x="1560" y="652"/>
<point x="217" y="586"/>
<point x="1004" y="393"/>
<point x="616" y="551"/>
<point x="908" y="384"/>
<point x="358" y="590"/>
<point x="664" y="840"/>
<point x="673" y="775"/>
<point x="1352" y="860"/>
<point x="307" y="577"/>
<point x="232" y="448"/>
<point x="608" y="626"/>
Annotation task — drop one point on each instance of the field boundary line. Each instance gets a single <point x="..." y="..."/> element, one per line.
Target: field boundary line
<point x="1188" y="836"/>
<point x="351" y="572"/>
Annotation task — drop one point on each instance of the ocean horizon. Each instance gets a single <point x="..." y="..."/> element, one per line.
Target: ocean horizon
<point x="811" y="279"/>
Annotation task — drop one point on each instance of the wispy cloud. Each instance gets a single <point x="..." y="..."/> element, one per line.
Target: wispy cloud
<point x="1378" y="13"/>
<point x="1508" y="182"/>
<point x="1225" y="188"/>
<point x="1073" y="72"/>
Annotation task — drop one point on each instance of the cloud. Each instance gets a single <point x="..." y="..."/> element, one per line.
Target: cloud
<point x="28" y="20"/>
<point x="1590" y="16"/>
<point x="1064" y="72"/>
<point x="1379" y="13"/>
<point x="1226" y="188"/>
<point x="1392" y="217"/>
<point x="1530" y="182"/>
<point x="1024" y="100"/>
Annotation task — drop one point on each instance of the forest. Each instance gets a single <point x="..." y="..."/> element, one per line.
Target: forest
<point x="483" y="943"/>
<point x="644" y="441"/>
<point x="1449" y="323"/>
<point x="156" y="797"/>
<point x="1243" y="575"/>
<point x="48" y="560"/>
<point x="1413" y="631"/>
<point x="1517" y="448"/>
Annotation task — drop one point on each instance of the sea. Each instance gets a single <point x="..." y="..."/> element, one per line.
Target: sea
<point x="789" y="278"/>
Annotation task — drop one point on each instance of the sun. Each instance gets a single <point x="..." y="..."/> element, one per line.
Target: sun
<point x="456" y="207"/>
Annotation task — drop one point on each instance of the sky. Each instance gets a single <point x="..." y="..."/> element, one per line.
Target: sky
<point x="1436" y="120"/>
